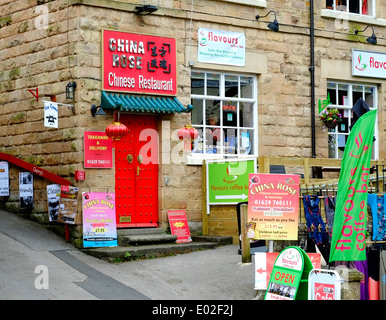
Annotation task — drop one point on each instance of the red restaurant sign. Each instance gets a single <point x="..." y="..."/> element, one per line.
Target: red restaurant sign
<point x="139" y="63"/>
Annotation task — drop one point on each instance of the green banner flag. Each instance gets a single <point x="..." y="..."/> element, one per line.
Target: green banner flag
<point x="349" y="229"/>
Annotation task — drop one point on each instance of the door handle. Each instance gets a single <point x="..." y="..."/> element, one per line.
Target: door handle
<point x="130" y="158"/>
<point x="138" y="170"/>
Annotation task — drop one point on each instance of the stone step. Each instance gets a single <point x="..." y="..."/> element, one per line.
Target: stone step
<point x="143" y="239"/>
<point x="135" y="231"/>
<point x="122" y="253"/>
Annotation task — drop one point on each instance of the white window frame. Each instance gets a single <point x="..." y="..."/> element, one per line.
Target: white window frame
<point x="340" y="8"/>
<point x="333" y="133"/>
<point x="196" y="158"/>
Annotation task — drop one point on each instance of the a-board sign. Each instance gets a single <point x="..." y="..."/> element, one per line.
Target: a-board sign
<point x="289" y="278"/>
<point x="227" y="180"/>
<point x="324" y="285"/>
<point x="179" y="225"/>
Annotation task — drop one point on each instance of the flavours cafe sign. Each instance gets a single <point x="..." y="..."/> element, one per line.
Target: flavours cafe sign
<point x="368" y="64"/>
<point x="138" y="63"/>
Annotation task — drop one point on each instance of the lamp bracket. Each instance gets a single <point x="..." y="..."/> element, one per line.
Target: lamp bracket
<point x="36" y="94"/>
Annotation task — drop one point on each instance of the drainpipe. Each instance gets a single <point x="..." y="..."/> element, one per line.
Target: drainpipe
<point x="312" y="70"/>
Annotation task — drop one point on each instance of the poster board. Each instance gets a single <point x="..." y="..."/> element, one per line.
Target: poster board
<point x="68" y="204"/>
<point x="26" y="190"/>
<point x="4" y="179"/>
<point x="99" y="220"/>
<point x="273" y="206"/>
<point x="53" y="198"/>
<point x="324" y="285"/>
<point x="179" y="225"/>
<point x="227" y="181"/>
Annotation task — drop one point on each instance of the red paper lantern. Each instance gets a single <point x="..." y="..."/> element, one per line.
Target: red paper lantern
<point x="187" y="134"/>
<point x="116" y="131"/>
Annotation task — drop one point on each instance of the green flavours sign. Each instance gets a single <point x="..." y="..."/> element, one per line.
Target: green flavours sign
<point x="289" y="277"/>
<point x="227" y="181"/>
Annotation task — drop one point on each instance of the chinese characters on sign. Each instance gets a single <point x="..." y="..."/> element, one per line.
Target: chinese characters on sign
<point x="139" y="63"/>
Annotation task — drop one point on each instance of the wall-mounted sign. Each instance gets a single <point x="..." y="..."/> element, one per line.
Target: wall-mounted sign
<point x="138" y="63"/>
<point x="179" y="225"/>
<point x="26" y="189"/>
<point x="221" y="47"/>
<point x="273" y="206"/>
<point x="4" y="179"/>
<point x="98" y="150"/>
<point x="368" y="64"/>
<point x="227" y="181"/>
<point x="51" y="114"/>
<point x="99" y="224"/>
<point x="53" y="198"/>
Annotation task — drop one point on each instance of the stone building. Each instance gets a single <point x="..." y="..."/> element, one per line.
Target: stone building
<point x="261" y="87"/>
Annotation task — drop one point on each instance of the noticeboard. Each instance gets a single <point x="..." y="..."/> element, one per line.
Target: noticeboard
<point x="227" y="181"/>
<point x="289" y="278"/>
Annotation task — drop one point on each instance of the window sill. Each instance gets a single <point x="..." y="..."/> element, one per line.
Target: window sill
<point x="198" y="161"/>
<point x="328" y="13"/>
<point x="255" y="3"/>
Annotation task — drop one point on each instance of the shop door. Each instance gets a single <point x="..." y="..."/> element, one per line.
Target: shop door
<point x="136" y="173"/>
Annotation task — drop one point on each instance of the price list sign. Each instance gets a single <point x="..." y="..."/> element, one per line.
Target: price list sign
<point x="273" y="207"/>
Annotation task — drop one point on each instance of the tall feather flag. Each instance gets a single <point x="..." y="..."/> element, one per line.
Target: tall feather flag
<point x="349" y="229"/>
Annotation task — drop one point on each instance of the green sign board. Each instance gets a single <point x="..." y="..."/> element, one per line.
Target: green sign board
<point x="289" y="277"/>
<point x="227" y="181"/>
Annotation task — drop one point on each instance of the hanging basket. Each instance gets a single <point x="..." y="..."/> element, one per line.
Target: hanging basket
<point x="331" y="124"/>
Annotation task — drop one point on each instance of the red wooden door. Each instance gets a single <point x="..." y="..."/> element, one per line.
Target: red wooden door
<point x="136" y="173"/>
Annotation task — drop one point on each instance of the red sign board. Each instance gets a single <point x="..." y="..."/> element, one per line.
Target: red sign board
<point x="139" y="63"/>
<point x="179" y="225"/>
<point x="98" y="150"/>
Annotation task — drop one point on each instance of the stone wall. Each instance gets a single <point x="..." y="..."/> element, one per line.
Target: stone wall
<point x="45" y="44"/>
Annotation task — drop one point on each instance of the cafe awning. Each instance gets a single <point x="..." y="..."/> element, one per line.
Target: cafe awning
<point x="145" y="104"/>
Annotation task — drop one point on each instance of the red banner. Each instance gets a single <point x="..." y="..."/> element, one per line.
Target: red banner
<point x="139" y="63"/>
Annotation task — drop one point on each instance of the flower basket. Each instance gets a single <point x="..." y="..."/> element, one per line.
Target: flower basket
<point x="331" y="118"/>
<point x="332" y="123"/>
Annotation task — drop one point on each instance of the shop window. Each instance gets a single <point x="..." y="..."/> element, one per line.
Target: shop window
<point x="343" y="96"/>
<point x="224" y="113"/>
<point x="362" y="7"/>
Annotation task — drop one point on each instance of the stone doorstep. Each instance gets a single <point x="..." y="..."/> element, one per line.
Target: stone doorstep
<point x="158" y="249"/>
<point x="113" y="254"/>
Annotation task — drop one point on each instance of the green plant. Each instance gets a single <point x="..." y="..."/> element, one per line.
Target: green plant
<point x="330" y="115"/>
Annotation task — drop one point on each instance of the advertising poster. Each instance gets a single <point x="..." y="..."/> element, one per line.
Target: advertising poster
<point x="26" y="189"/>
<point x="51" y="118"/>
<point x="368" y="64"/>
<point x="221" y="47"/>
<point x="273" y="207"/>
<point x="324" y="285"/>
<point x="4" y="179"/>
<point x="99" y="222"/>
<point x="179" y="225"/>
<point x="53" y="197"/>
<point x="68" y="204"/>
<point x="139" y="63"/>
<point x="98" y="150"/>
